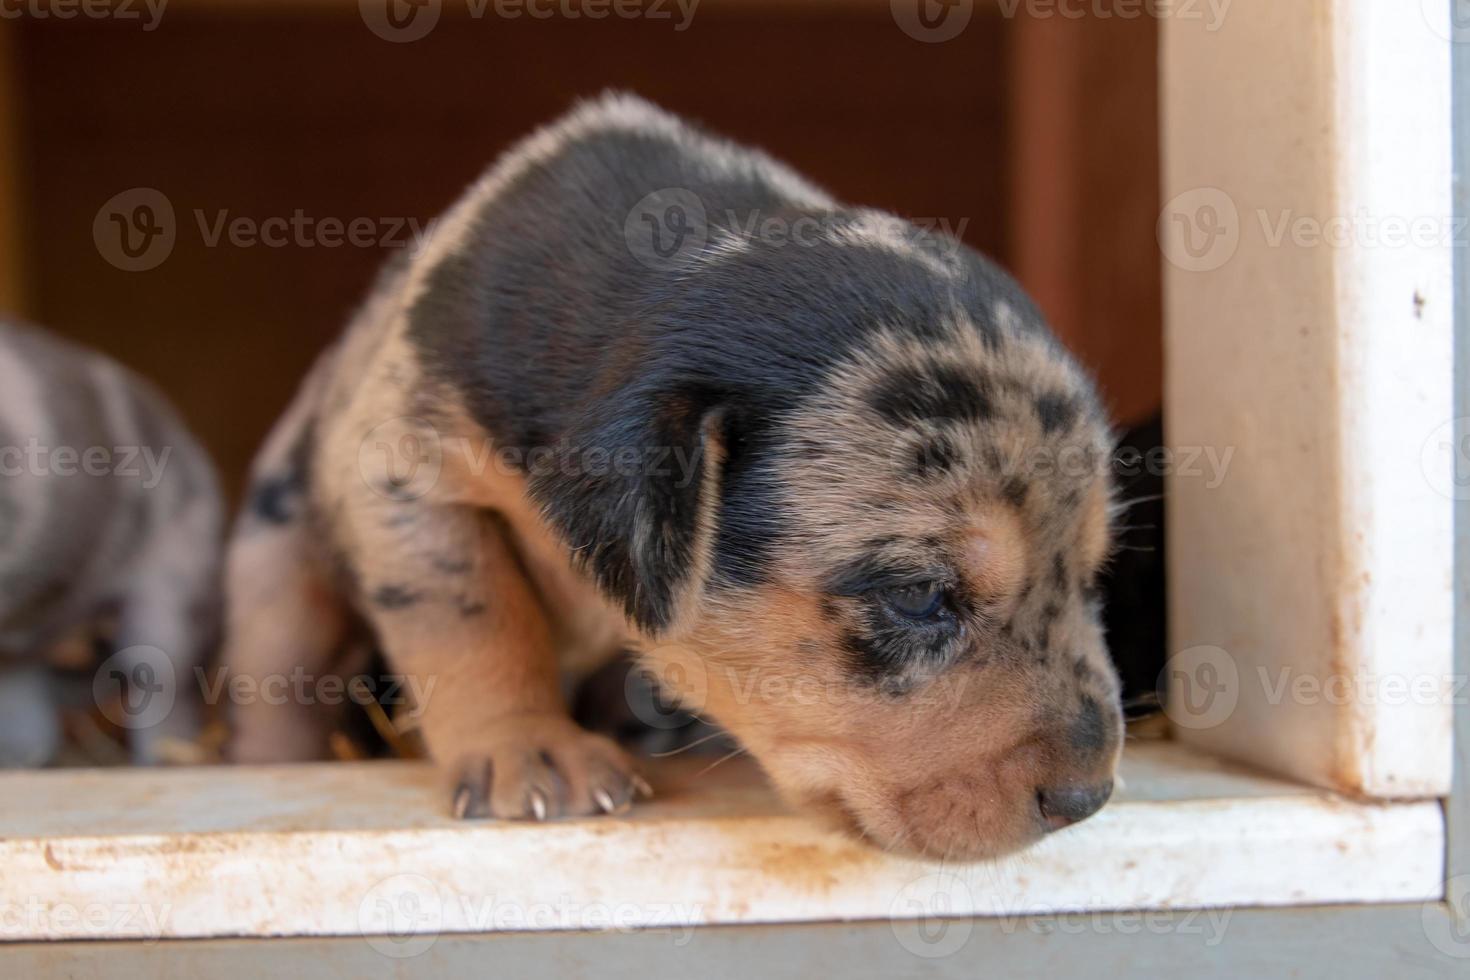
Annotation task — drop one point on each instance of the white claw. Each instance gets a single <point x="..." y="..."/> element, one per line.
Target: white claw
<point x="641" y="786"/>
<point x="604" y="800"/>
<point x="538" y="804"/>
<point x="461" y="802"/>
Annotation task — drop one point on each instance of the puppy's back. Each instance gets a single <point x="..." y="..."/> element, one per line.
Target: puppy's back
<point x="533" y="294"/>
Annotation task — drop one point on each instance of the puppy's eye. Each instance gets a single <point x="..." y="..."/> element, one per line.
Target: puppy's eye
<point x="920" y="600"/>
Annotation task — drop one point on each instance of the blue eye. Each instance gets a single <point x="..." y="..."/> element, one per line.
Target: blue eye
<point x="921" y="600"/>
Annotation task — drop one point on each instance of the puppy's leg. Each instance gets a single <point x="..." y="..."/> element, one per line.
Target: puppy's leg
<point x="455" y="611"/>
<point x="284" y="621"/>
<point x="168" y="620"/>
<point x="30" y="722"/>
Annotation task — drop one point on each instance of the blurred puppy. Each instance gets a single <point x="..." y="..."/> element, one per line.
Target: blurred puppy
<point x="108" y="510"/>
<point x="643" y="387"/>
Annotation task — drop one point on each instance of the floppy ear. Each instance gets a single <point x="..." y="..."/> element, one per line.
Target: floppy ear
<point x="636" y="498"/>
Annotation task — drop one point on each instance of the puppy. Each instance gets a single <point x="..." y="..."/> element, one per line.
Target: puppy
<point x="109" y="509"/>
<point x="643" y="387"/>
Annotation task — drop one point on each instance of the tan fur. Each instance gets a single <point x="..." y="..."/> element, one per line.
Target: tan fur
<point x="998" y="554"/>
<point x="950" y="767"/>
<point x="465" y="584"/>
<point x="495" y="705"/>
<point x="974" y="741"/>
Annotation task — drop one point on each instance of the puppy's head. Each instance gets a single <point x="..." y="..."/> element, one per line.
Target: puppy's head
<point x="881" y="573"/>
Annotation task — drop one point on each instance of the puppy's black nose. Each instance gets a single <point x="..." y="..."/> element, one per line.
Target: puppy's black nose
<point x="1063" y="806"/>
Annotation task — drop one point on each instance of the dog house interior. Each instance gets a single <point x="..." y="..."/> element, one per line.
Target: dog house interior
<point x="1087" y="155"/>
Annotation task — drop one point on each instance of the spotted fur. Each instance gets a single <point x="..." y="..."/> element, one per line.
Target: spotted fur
<point x="132" y="536"/>
<point x="872" y="412"/>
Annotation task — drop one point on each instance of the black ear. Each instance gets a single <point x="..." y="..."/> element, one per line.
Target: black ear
<point x="636" y="499"/>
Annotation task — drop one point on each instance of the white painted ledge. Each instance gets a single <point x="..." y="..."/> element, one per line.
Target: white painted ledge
<point x="349" y="849"/>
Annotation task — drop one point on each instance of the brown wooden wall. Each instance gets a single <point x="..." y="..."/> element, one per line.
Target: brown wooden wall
<point x="12" y="268"/>
<point x="260" y="110"/>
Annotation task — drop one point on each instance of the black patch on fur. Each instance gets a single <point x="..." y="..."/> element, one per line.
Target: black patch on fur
<point x="392" y="598"/>
<point x="1059" y="571"/>
<point x="935" y="457"/>
<point x="1088" y="734"/>
<point x="1056" y="412"/>
<point x="935" y="394"/>
<point x="453" y="566"/>
<point x="279" y="498"/>
<point x="469" y="608"/>
<point x="550" y="329"/>
<point x="752" y="510"/>
<point x="1013" y="491"/>
<point x="868" y="574"/>
<point x="866" y="656"/>
<point x="634" y="529"/>
<point x="274" y="499"/>
<point x="882" y="649"/>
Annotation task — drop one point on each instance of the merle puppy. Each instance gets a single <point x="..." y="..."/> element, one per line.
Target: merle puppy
<point x="110" y="511"/>
<point x="644" y="387"/>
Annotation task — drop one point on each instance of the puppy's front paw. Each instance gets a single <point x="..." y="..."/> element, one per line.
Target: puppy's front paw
<point x="539" y="767"/>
